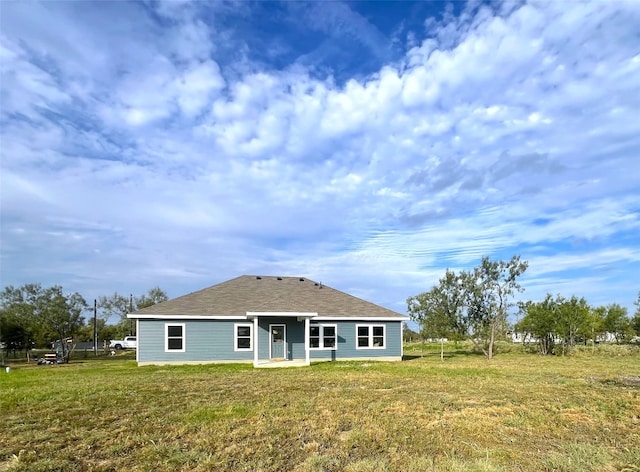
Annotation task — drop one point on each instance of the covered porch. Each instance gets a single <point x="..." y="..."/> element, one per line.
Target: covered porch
<point x="281" y="339"/>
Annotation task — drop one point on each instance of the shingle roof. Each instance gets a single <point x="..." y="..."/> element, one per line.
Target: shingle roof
<point x="250" y="293"/>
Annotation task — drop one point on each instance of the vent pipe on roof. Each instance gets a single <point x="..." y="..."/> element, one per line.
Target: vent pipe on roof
<point x="301" y="279"/>
<point x="279" y="278"/>
<point x="258" y="277"/>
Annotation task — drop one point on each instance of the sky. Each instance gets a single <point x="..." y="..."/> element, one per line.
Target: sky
<point x="366" y="145"/>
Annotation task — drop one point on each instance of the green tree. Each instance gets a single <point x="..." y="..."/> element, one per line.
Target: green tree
<point x="472" y="303"/>
<point x="635" y="321"/>
<point x="116" y="306"/>
<point x="539" y="321"/>
<point x="152" y="297"/>
<point x="489" y="289"/>
<point x="440" y="311"/>
<point x="62" y="315"/>
<point x="616" y="322"/>
<point x="573" y="321"/>
<point x="44" y="313"/>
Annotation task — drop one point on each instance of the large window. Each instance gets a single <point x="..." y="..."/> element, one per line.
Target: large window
<point x="174" y="337"/>
<point x="370" y="337"/>
<point x="323" y="336"/>
<point x="242" y="338"/>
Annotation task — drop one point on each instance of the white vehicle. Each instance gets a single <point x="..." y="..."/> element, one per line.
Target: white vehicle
<point x="129" y="342"/>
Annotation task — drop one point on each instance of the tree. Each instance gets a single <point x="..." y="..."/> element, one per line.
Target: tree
<point x="62" y="315"/>
<point x="596" y="323"/>
<point x="152" y="297"/>
<point x="474" y="303"/>
<point x="617" y="322"/>
<point x="117" y="306"/>
<point x="440" y="311"/>
<point x="48" y="313"/>
<point x="539" y="321"/>
<point x="573" y="320"/>
<point x="488" y="289"/>
<point x="18" y="310"/>
<point x="635" y="321"/>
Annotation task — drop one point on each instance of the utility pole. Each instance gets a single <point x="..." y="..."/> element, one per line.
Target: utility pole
<point x="131" y="311"/>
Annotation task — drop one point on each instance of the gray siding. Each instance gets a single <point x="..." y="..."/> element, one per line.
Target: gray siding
<point x="212" y="340"/>
<point x="294" y="337"/>
<point x="204" y="341"/>
<point x="347" y="341"/>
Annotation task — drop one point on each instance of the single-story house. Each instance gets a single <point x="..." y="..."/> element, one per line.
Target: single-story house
<point x="268" y="321"/>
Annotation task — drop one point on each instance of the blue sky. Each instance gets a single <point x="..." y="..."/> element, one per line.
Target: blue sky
<point x="369" y="146"/>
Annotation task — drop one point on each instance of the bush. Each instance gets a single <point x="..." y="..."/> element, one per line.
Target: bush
<point x="607" y="350"/>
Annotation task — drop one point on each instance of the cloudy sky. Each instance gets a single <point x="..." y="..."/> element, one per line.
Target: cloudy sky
<point x="369" y="146"/>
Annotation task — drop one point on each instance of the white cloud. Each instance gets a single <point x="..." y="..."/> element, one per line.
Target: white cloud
<point x="505" y="131"/>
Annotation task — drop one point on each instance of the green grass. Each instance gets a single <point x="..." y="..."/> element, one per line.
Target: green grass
<point x="516" y="413"/>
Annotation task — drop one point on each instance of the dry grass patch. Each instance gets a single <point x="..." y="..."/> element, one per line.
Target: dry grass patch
<point x="516" y="413"/>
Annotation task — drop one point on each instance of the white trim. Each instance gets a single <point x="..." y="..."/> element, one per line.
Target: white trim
<point x="235" y="337"/>
<point x="321" y="337"/>
<point x="186" y="317"/>
<point x="284" y="339"/>
<point x="307" y="354"/>
<point x="370" y="336"/>
<point x="166" y="337"/>
<point x="256" y="337"/>
<point x="138" y="342"/>
<point x="359" y="318"/>
<point x="252" y="314"/>
<point x="281" y="314"/>
<point x="201" y="362"/>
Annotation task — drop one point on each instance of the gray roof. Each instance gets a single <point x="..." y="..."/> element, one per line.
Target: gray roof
<point x="250" y="293"/>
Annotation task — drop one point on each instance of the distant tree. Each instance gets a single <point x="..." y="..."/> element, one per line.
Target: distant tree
<point x="62" y="314"/>
<point x="596" y="323"/>
<point x="539" y="321"/>
<point x="617" y="322"/>
<point x="409" y="335"/>
<point x="474" y="303"/>
<point x="44" y="312"/>
<point x="573" y="321"/>
<point x="152" y="297"/>
<point x="635" y="321"/>
<point x="118" y="306"/>
<point x="440" y="311"/>
<point x="489" y="289"/>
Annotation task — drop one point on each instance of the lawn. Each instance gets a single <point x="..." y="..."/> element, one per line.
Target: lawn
<point x="519" y="412"/>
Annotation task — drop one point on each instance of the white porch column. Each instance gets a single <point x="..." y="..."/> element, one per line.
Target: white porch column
<point x="307" y="356"/>
<point x="255" y="341"/>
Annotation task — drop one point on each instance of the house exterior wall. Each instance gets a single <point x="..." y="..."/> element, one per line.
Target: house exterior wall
<point x="347" y="341"/>
<point x="205" y="341"/>
<point x="213" y="341"/>
<point x="294" y="336"/>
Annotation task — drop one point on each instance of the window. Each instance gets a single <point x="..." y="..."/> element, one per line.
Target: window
<point x="174" y="337"/>
<point x="242" y="337"/>
<point x="370" y="337"/>
<point x="323" y="336"/>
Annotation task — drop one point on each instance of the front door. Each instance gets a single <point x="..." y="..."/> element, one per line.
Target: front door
<point x="278" y="341"/>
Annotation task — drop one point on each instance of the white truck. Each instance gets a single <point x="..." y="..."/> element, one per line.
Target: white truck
<point x="129" y="342"/>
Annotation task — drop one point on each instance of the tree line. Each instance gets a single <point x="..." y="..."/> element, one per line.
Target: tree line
<point x="475" y="305"/>
<point x="33" y="316"/>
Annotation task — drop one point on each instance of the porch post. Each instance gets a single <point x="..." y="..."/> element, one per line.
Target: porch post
<point x="307" y="358"/>
<point x="255" y="341"/>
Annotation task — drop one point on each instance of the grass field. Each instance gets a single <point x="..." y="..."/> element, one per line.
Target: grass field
<point x="516" y="413"/>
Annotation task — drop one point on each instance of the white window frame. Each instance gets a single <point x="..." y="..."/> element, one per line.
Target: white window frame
<point x="321" y="327"/>
<point x="370" y="336"/>
<point x="235" y="337"/>
<point x="166" y="337"/>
